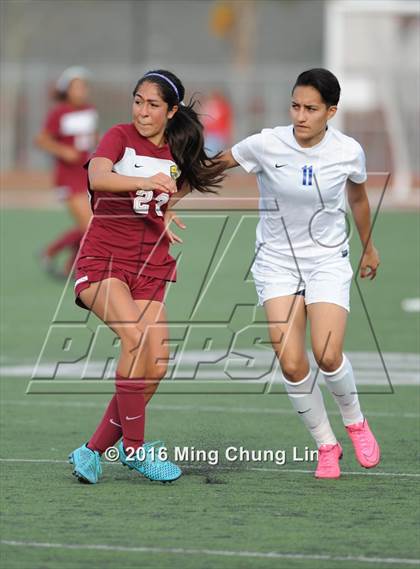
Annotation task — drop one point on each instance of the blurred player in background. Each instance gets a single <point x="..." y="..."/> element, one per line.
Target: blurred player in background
<point x="69" y="135"/>
<point x="301" y="268"/>
<point x="124" y="262"/>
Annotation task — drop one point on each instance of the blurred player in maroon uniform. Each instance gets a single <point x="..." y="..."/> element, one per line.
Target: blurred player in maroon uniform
<point x="124" y="262"/>
<point x="69" y="135"/>
<point x="217" y="118"/>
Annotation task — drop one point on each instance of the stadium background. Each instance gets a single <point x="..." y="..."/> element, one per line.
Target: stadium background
<point x="229" y="515"/>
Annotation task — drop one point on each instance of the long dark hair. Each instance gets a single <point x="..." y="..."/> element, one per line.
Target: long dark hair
<point x="184" y="134"/>
<point x="325" y="82"/>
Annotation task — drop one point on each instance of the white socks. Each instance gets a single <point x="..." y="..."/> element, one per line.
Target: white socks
<point x="343" y="388"/>
<point x="306" y="398"/>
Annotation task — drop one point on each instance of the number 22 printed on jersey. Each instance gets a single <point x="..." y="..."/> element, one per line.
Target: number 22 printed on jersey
<point x="141" y="203"/>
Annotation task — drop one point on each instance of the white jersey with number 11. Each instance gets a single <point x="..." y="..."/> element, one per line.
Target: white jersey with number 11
<point x="302" y="192"/>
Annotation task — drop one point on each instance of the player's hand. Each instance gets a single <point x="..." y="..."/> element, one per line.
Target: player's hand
<point x="170" y="217"/>
<point x="370" y="263"/>
<point x="160" y="182"/>
<point x="69" y="154"/>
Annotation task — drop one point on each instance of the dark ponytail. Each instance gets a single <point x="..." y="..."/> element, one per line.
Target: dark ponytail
<point x="184" y="134"/>
<point x="186" y="141"/>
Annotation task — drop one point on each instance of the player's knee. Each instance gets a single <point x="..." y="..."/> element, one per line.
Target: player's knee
<point x="158" y="370"/>
<point x="294" y="369"/>
<point x="131" y="338"/>
<point x="330" y="361"/>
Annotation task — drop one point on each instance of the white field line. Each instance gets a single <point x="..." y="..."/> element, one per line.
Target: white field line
<point x="377" y="376"/>
<point x="366" y="359"/>
<point x="411" y="304"/>
<point x="213" y="552"/>
<point x="277" y="470"/>
<point x="34" y="401"/>
<point x="363" y="378"/>
<point x="403" y="368"/>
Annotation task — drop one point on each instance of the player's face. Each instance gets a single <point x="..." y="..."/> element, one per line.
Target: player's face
<point x="78" y="92"/>
<point x="309" y="115"/>
<point x="150" y="112"/>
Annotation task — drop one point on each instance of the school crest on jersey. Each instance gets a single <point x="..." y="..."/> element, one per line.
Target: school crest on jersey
<point x="175" y="172"/>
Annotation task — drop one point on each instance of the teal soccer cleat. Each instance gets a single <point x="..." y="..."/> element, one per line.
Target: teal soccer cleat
<point x="87" y="464"/>
<point x="152" y="467"/>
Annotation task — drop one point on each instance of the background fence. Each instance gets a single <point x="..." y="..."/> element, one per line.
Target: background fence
<point x="250" y="50"/>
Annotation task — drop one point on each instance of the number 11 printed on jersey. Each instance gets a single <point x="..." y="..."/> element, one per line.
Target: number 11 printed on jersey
<point x="307" y="175"/>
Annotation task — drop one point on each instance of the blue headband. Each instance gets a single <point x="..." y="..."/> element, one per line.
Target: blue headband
<point x="166" y="79"/>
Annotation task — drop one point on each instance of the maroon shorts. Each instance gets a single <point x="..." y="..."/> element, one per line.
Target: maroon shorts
<point x="64" y="193"/>
<point x="70" y="180"/>
<point x="142" y="287"/>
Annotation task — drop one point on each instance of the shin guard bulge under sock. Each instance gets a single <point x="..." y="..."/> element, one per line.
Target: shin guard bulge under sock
<point x="132" y="410"/>
<point x="306" y="398"/>
<point x="109" y="430"/>
<point x="342" y="385"/>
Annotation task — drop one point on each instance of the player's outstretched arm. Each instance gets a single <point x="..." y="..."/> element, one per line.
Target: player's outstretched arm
<point x="360" y="208"/>
<point x="103" y="179"/>
<point x="228" y="158"/>
<point x="63" y="151"/>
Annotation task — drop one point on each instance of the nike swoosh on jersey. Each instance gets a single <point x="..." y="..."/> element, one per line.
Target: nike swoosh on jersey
<point x="280" y="165"/>
<point x="138" y="165"/>
<point x="127" y="418"/>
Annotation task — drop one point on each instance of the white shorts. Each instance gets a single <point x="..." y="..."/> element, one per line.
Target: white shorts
<point x="326" y="280"/>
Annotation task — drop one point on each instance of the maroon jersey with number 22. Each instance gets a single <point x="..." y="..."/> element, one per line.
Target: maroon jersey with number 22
<point x="128" y="227"/>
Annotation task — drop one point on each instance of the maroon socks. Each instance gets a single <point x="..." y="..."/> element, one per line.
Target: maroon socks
<point x="109" y="430"/>
<point x="70" y="239"/>
<point x="132" y="409"/>
<point x="124" y="416"/>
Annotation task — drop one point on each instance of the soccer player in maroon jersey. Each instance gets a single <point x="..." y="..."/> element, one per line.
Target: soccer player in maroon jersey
<point x="124" y="262"/>
<point x="69" y="135"/>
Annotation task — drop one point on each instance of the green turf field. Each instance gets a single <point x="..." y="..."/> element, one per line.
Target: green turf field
<point x="231" y="514"/>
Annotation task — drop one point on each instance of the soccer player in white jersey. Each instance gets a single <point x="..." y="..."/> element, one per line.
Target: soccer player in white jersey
<point x="302" y="269"/>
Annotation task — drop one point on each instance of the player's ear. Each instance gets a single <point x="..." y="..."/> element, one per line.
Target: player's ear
<point x="331" y="111"/>
<point x="172" y="112"/>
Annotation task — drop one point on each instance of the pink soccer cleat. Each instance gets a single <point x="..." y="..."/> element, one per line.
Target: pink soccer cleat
<point x="328" y="457"/>
<point x="365" y="445"/>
